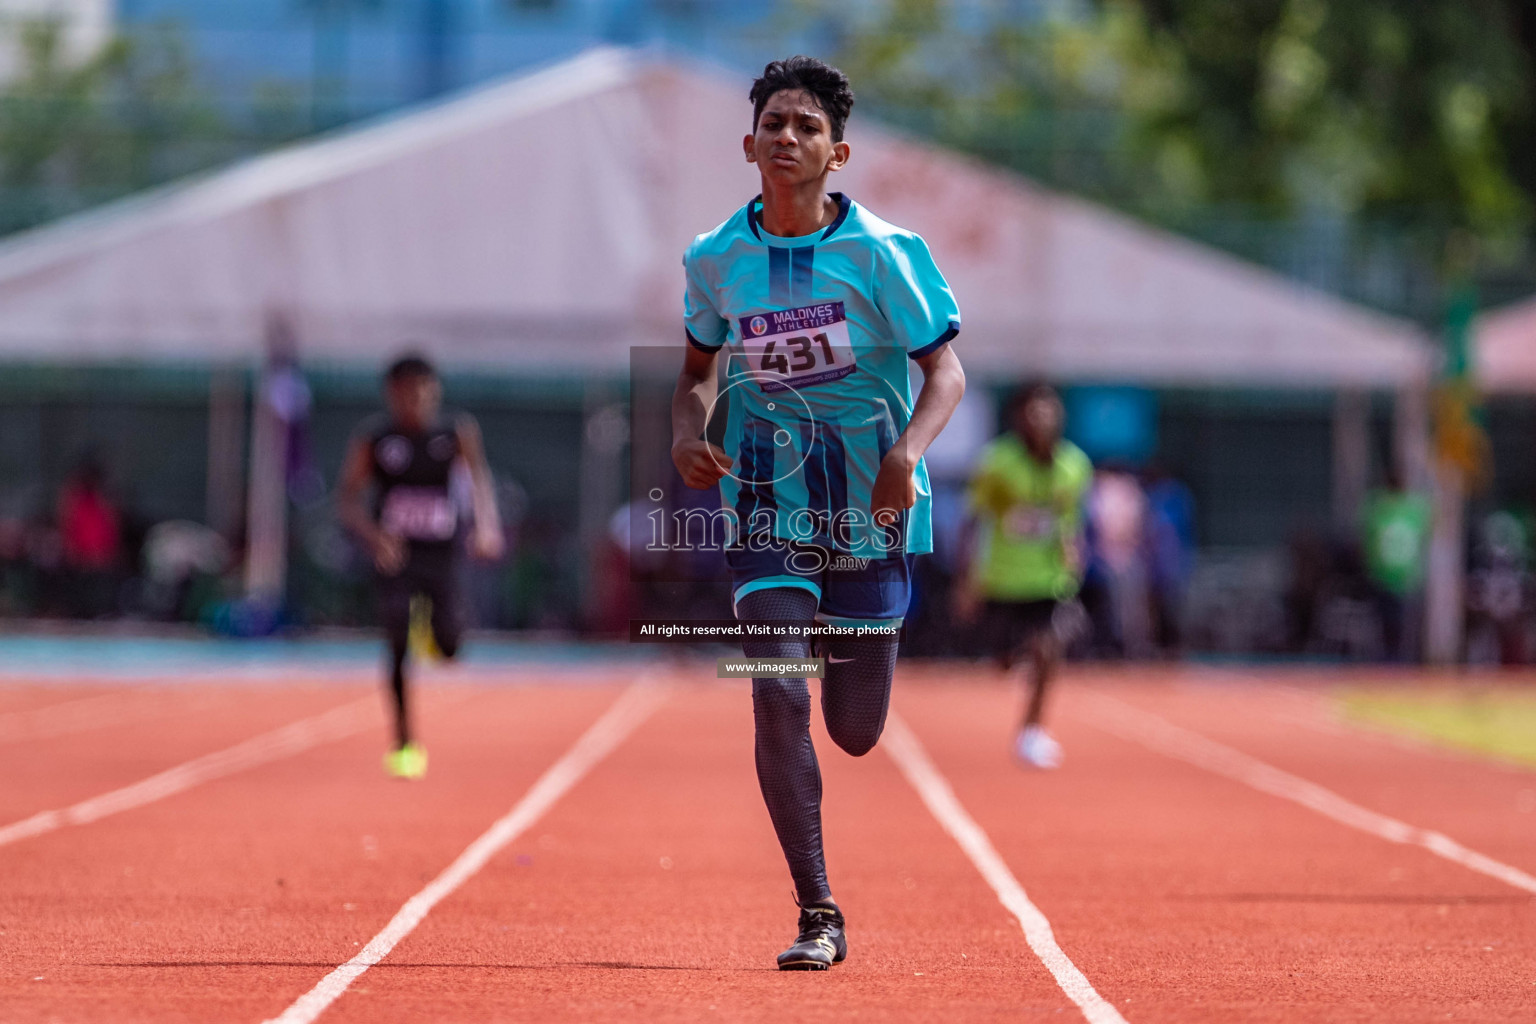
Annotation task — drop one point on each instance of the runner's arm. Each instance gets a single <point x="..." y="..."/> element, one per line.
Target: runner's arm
<point x="943" y="387"/>
<point x="700" y="463"/>
<point x="487" y="541"/>
<point x="388" y="550"/>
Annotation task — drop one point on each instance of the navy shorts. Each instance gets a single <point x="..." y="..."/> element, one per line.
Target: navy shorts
<point x="849" y="590"/>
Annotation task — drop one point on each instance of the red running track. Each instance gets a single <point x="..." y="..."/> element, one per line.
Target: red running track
<point x="653" y="889"/>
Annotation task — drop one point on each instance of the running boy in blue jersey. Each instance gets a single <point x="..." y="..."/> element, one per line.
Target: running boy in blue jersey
<point x="814" y="307"/>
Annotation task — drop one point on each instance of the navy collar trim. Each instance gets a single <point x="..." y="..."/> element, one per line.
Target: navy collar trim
<point x="754" y="212"/>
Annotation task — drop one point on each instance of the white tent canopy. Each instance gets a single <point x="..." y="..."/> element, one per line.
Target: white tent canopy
<point x="1505" y="357"/>
<point x="539" y="224"/>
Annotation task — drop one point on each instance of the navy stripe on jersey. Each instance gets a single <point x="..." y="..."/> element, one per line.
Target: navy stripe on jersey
<point x="789" y="275"/>
<point x="814" y="470"/>
<point x="756" y="470"/>
<point x="885" y="437"/>
<point x="800" y="262"/>
<point x="825" y="474"/>
<point x="834" y="454"/>
<point x="780" y="291"/>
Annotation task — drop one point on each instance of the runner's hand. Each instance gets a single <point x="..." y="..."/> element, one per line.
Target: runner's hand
<point x="895" y="490"/>
<point x="700" y="463"/>
<point x="965" y="600"/>
<point x="388" y="553"/>
<point x="487" y="544"/>
<point x="1072" y="557"/>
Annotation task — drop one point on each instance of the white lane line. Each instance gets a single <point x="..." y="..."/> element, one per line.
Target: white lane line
<point x="913" y="761"/>
<point x="65" y="714"/>
<point x="291" y="739"/>
<point x="120" y="707"/>
<point x="600" y="740"/>
<point x="1317" y="711"/>
<point x="1163" y="737"/>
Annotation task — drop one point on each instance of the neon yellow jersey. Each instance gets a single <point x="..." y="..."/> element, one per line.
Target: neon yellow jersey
<point x="1027" y="512"/>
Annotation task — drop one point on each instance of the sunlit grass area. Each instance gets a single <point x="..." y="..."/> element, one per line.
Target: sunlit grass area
<point x="1500" y="721"/>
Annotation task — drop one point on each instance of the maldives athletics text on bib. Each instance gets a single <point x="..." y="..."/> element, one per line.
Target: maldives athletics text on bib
<point x="796" y="348"/>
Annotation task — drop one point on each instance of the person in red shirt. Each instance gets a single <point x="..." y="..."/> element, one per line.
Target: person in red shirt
<point x="90" y="534"/>
<point x="88" y="521"/>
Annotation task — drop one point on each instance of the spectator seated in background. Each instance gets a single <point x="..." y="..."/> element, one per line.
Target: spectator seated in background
<point x="90" y="533"/>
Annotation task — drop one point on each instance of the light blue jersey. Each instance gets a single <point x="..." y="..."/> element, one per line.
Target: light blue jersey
<point x="817" y="332"/>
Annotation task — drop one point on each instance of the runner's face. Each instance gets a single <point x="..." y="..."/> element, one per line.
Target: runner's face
<point x="414" y="401"/>
<point x="1039" y="422"/>
<point x="793" y="141"/>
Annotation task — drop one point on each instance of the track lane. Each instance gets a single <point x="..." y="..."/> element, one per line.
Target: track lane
<point x="1188" y="897"/>
<point x="109" y="708"/>
<point x="1182" y="896"/>
<point x="22" y="697"/>
<point x="610" y="731"/>
<point x="43" y="772"/>
<point x="1487" y="805"/>
<point x="655" y="891"/>
<point x="226" y="902"/>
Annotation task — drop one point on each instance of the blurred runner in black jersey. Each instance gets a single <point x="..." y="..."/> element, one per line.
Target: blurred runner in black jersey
<point x="410" y="456"/>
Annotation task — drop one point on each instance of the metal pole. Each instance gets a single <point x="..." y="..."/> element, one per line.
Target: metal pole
<point x="226" y="451"/>
<point x="1351" y="457"/>
<point x="1445" y="598"/>
<point x="1410" y="437"/>
<point x="605" y="433"/>
<point x="266" y="568"/>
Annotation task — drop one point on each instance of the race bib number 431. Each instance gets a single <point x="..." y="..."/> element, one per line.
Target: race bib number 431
<point x="795" y="348"/>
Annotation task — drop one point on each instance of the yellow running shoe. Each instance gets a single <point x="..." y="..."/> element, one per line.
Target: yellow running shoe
<point x="408" y="762"/>
<point x="419" y="638"/>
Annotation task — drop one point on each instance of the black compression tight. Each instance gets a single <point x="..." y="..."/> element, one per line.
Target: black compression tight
<point x="397" y="629"/>
<point x="398" y="646"/>
<point x="855" y="696"/>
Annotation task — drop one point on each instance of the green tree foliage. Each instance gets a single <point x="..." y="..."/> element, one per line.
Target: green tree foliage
<point x="1413" y="115"/>
<point x="1409" y="108"/>
<point x="77" y="132"/>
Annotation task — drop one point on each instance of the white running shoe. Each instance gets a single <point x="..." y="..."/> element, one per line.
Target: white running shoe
<point x="1037" y="748"/>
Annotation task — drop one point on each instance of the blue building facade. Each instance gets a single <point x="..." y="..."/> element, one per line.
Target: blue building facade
<point x="345" y="59"/>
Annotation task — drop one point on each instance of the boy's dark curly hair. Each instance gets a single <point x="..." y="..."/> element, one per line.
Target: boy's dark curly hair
<point x="826" y="84"/>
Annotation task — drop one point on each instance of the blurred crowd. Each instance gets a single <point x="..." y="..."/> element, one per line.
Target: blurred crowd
<point x="89" y="555"/>
<point x="1349" y="592"/>
<point x="1148" y="590"/>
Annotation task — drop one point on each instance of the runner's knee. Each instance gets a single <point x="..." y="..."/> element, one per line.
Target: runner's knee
<point x="781" y="710"/>
<point x="395" y="616"/>
<point x="856" y="692"/>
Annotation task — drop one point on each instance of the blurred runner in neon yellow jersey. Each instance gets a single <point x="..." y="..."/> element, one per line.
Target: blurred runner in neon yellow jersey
<point x="1026" y="499"/>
